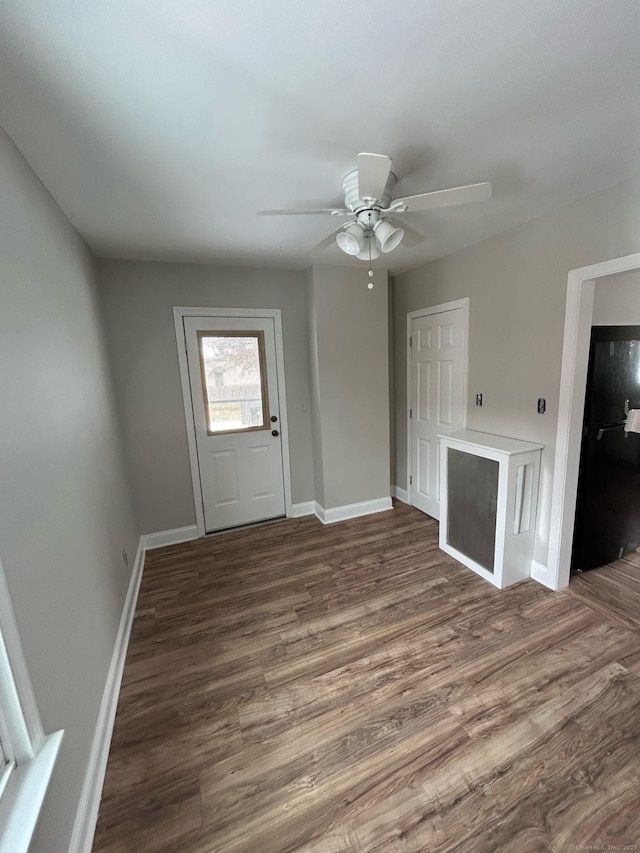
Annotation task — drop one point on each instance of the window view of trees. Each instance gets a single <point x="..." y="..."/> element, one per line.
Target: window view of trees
<point x="231" y="367"/>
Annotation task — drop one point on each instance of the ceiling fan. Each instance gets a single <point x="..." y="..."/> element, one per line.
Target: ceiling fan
<point x="367" y="199"/>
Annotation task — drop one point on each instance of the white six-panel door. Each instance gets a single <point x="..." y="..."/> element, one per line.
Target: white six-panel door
<point x="438" y="355"/>
<point x="234" y="394"/>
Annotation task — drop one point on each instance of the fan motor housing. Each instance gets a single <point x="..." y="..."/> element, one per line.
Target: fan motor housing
<point x="352" y="198"/>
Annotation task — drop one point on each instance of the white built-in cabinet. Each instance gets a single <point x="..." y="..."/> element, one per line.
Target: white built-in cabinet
<point x="488" y="502"/>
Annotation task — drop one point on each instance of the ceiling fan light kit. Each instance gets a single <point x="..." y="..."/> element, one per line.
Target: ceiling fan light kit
<point x="356" y="238"/>
<point x="351" y="239"/>
<point x="387" y="235"/>
<point x="367" y="198"/>
<point x="360" y="242"/>
<point x="369" y="251"/>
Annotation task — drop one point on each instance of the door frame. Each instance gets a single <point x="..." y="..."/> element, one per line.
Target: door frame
<point x="179" y="313"/>
<point x="465" y="304"/>
<point x="573" y="383"/>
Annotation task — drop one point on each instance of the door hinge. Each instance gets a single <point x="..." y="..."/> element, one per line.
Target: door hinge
<point x="410" y="340"/>
<point x="410" y="413"/>
<point x="411" y="479"/>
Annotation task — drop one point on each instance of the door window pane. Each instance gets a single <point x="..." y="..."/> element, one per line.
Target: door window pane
<point x="233" y="379"/>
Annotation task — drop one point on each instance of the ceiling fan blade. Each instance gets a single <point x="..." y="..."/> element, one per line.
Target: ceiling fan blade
<point x="411" y="236"/>
<point x="334" y="211"/>
<point x="373" y="174"/>
<point x="442" y="198"/>
<point x="328" y="241"/>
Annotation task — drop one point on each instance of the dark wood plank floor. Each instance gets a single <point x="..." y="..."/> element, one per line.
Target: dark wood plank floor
<point x="295" y="687"/>
<point x="615" y="588"/>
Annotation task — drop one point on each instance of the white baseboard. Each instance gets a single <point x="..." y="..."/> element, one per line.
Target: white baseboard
<point x="401" y="494"/>
<point x="541" y="574"/>
<point x="169" y="537"/>
<point x="307" y="508"/>
<point x="342" y="513"/>
<point x="87" y="814"/>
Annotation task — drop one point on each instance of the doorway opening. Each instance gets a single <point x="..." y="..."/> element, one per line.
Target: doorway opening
<point x="573" y="380"/>
<point x="607" y="523"/>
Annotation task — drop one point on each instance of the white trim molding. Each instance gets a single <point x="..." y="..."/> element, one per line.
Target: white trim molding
<point x="179" y="313"/>
<point x="400" y="493"/>
<point x="465" y="304"/>
<point x="29" y="756"/>
<point x="87" y="813"/>
<point x="169" y="537"/>
<point x="573" y="378"/>
<point x="541" y="574"/>
<point x="24" y="796"/>
<point x="19" y="706"/>
<point x="342" y="513"/>
<point x="301" y="509"/>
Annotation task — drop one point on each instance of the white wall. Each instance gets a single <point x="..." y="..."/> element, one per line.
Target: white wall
<point x="65" y="513"/>
<point x="350" y="377"/>
<point x="138" y="300"/>
<point x="617" y="300"/>
<point x="517" y="283"/>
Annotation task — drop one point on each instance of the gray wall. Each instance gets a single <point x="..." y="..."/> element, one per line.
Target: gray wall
<point x="351" y="382"/>
<point x="138" y="300"/>
<point x="314" y="388"/>
<point x="65" y="514"/>
<point x="517" y="282"/>
<point x="617" y="300"/>
<point x="392" y="381"/>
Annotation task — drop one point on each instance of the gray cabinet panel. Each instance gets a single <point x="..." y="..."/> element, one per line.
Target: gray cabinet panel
<point x="472" y="486"/>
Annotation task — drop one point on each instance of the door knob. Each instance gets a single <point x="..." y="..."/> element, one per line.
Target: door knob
<point x="274" y="432"/>
<point x="273" y="419"/>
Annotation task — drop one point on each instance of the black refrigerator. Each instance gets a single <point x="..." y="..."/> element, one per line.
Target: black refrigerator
<point x="608" y="508"/>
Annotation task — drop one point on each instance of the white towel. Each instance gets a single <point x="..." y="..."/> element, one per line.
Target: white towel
<point x="633" y="421"/>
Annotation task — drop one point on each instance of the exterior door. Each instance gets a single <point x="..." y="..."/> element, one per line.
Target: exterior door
<point x="234" y="395"/>
<point x="438" y="355"/>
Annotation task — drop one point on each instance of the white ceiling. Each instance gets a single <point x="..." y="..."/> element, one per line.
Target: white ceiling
<point x="161" y="126"/>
